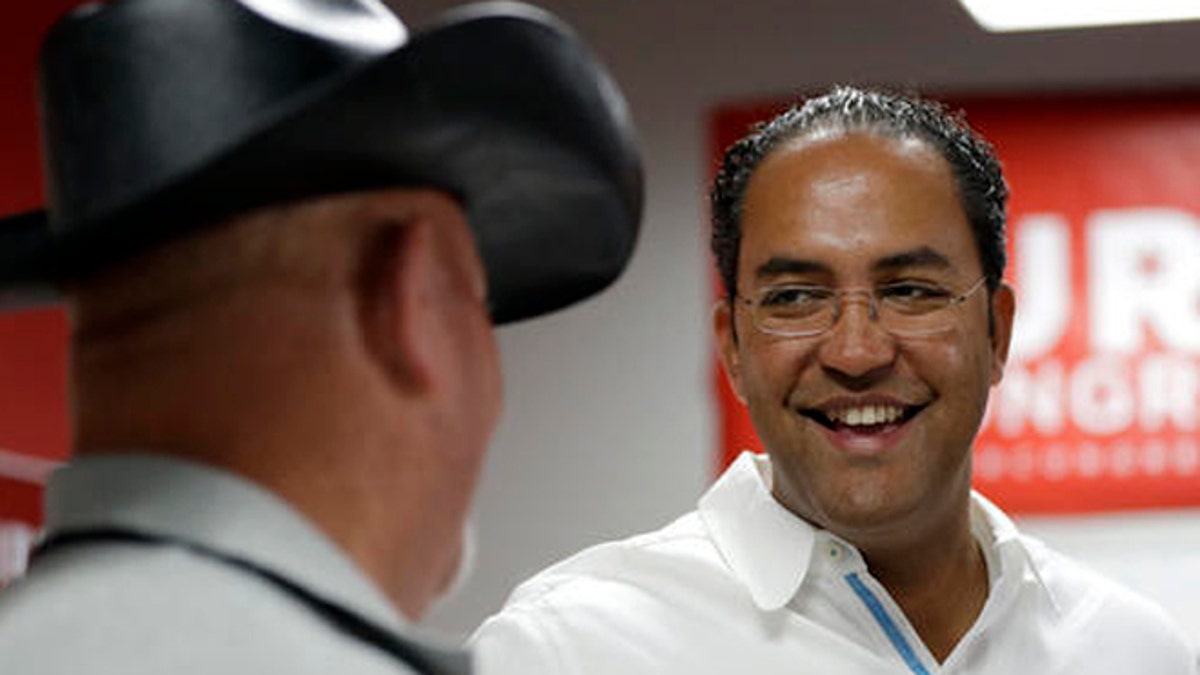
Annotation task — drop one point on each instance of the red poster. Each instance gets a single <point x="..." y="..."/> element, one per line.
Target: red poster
<point x="34" y="434"/>
<point x="1100" y="404"/>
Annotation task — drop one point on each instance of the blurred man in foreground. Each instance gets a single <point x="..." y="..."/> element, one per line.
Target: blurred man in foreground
<point x="861" y="242"/>
<point x="285" y="230"/>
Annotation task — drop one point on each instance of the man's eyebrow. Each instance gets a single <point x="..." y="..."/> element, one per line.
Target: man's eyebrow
<point x="922" y="256"/>
<point x="778" y="266"/>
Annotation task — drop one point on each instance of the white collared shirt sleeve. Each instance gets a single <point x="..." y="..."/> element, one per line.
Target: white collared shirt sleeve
<point x="520" y="641"/>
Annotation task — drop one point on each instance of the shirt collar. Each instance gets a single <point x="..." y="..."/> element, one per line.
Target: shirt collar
<point x="211" y="508"/>
<point x="1010" y="560"/>
<point x="767" y="547"/>
<point x="990" y="524"/>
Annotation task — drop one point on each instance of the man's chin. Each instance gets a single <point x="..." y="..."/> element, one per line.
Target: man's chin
<point x="872" y="518"/>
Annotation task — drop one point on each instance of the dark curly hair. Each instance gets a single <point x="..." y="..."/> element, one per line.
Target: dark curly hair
<point x="972" y="159"/>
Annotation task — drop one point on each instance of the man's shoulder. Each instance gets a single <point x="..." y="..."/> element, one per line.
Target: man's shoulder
<point x="624" y="606"/>
<point x="644" y="561"/>
<point x="1093" y="604"/>
<point x="1080" y="592"/>
<point x="161" y="609"/>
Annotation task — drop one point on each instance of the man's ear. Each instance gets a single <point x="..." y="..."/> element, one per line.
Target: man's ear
<point x="726" y="334"/>
<point x="398" y="297"/>
<point x="1003" y="308"/>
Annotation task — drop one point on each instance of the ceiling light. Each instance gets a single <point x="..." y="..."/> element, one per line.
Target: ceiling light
<point x="1003" y="16"/>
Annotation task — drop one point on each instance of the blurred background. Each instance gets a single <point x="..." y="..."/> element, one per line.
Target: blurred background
<point x="614" y="419"/>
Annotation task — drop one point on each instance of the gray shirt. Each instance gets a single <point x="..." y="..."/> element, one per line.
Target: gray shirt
<point x="133" y="608"/>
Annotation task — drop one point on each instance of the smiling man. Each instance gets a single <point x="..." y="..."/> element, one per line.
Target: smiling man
<point x="860" y="239"/>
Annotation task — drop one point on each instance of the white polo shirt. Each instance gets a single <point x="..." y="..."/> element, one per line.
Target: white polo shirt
<point x="743" y="586"/>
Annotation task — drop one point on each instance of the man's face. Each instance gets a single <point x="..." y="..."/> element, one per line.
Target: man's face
<point x="858" y="211"/>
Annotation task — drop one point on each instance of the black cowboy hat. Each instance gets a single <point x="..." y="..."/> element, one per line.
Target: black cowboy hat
<point x="163" y="116"/>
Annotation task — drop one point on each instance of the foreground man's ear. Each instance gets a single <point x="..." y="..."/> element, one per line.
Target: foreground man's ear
<point x="397" y="292"/>
<point x="422" y="282"/>
<point x="726" y="334"/>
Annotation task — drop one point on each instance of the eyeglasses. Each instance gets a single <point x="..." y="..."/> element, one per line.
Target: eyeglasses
<point x="904" y="309"/>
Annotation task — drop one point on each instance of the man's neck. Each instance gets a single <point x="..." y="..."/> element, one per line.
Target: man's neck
<point x="941" y="584"/>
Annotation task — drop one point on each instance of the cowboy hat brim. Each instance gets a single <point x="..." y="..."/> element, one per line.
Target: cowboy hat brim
<point x="497" y="104"/>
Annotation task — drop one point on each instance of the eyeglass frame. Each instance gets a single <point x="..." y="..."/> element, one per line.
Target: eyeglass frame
<point x="837" y="295"/>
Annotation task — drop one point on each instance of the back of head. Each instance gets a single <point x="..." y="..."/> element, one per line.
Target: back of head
<point x="184" y="344"/>
<point x="316" y="249"/>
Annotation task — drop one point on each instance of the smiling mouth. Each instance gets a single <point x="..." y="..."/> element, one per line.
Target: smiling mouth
<point x="863" y="419"/>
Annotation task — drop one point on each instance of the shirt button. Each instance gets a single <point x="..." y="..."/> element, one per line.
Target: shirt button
<point x="835" y="552"/>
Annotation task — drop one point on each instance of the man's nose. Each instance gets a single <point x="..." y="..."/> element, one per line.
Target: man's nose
<point x="857" y="344"/>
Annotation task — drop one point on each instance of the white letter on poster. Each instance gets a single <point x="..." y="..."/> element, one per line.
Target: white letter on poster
<point x="1144" y="270"/>
<point x="1043" y="260"/>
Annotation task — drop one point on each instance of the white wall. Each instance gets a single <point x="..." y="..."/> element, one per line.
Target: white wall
<point x="609" y="429"/>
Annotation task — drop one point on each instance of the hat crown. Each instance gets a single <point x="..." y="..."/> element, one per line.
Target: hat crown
<point x="360" y="24"/>
<point x="140" y="90"/>
<point x="164" y="117"/>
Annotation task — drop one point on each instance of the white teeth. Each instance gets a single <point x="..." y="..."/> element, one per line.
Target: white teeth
<point x="867" y="415"/>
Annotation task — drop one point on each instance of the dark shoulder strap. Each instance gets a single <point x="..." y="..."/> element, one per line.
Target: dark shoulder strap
<point x="419" y="658"/>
